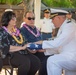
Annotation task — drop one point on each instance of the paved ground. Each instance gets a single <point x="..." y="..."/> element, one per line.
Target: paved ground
<point x="14" y="73"/>
<point x="3" y="72"/>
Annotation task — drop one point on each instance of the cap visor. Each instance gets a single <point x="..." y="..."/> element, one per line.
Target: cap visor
<point x="53" y="15"/>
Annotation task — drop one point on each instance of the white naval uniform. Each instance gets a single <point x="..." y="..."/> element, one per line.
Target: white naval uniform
<point x="46" y="25"/>
<point x="46" y="28"/>
<point x="66" y="43"/>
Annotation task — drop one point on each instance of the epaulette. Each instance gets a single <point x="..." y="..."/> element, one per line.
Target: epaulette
<point x="68" y="21"/>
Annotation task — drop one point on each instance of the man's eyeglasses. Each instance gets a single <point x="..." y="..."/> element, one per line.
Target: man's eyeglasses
<point x="29" y="18"/>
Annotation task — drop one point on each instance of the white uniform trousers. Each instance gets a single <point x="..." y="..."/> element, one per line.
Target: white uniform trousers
<point x="59" y="62"/>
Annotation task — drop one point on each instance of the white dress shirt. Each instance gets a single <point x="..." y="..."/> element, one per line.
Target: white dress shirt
<point x="22" y="24"/>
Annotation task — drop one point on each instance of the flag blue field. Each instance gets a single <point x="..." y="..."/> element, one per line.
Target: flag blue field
<point x="33" y="46"/>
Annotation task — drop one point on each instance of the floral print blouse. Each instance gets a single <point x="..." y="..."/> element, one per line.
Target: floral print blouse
<point x="6" y="40"/>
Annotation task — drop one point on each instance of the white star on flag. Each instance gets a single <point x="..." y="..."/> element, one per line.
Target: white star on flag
<point x="36" y="46"/>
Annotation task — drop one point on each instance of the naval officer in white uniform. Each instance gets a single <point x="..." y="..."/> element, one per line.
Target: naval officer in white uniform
<point x="47" y="28"/>
<point x="65" y="42"/>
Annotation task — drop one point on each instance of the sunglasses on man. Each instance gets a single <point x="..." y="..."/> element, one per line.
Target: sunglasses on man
<point x="29" y="18"/>
<point x="47" y="12"/>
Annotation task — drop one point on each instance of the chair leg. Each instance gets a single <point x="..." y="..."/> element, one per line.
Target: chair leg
<point x="6" y="70"/>
<point x="11" y="71"/>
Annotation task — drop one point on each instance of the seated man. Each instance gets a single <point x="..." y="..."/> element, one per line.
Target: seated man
<point x="32" y="34"/>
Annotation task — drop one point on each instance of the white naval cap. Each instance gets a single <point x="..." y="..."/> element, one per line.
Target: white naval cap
<point x="46" y="11"/>
<point x="55" y="12"/>
<point x="8" y="10"/>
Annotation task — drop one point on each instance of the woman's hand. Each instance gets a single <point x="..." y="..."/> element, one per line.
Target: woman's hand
<point x="32" y="51"/>
<point x="41" y="50"/>
<point x="17" y="48"/>
<point x="24" y="47"/>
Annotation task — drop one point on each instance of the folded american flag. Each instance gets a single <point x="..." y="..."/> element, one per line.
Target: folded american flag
<point x="33" y="46"/>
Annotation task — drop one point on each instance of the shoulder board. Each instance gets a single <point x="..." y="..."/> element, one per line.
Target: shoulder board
<point x="68" y="21"/>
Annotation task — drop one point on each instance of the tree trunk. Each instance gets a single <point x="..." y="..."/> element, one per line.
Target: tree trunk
<point x="28" y="5"/>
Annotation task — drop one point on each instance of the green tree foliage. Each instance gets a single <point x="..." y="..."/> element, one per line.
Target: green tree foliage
<point x="73" y="2"/>
<point x="60" y="3"/>
<point x="50" y="3"/>
<point x="11" y="2"/>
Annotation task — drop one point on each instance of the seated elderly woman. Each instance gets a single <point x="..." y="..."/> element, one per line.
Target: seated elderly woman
<point x="11" y="37"/>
